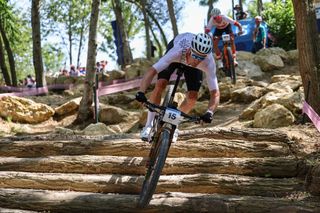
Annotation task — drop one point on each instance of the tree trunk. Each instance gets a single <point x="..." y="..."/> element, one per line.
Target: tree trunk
<point x="3" y="66"/>
<point x="172" y="17"/>
<point x="70" y="38"/>
<point x="10" y="56"/>
<point x="36" y="38"/>
<point x="163" y="35"/>
<point x="308" y="43"/>
<point x="87" y="99"/>
<point x="159" y="46"/>
<point x="146" y="28"/>
<point x="126" y="59"/>
<point x="260" y="7"/>
<point x="80" y="41"/>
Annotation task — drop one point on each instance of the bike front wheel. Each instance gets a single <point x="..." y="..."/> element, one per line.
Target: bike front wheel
<point x="158" y="155"/>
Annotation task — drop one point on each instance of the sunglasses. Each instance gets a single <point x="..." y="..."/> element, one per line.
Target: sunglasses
<point x="216" y="17"/>
<point x="197" y="57"/>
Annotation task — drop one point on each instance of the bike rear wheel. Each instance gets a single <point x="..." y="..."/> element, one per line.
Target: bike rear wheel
<point x="158" y="155"/>
<point x="231" y="66"/>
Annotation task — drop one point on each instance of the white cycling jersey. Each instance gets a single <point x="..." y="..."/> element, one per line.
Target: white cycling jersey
<point x="180" y="44"/>
<point x="223" y="24"/>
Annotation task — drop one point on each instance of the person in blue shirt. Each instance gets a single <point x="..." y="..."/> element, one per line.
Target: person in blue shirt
<point x="259" y="36"/>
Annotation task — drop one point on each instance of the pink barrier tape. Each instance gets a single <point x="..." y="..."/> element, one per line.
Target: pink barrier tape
<point x="32" y="91"/>
<point x="314" y="117"/>
<point x="120" y="86"/>
<point x="35" y="91"/>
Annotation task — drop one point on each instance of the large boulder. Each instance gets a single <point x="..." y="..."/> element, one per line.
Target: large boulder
<point x="273" y="116"/>
<point x="24" y="110"/>
<point x="269" y="63"/>
<point x="274" y="51"/>
<point x="250" y="70"/>
<point x="69" y="107"/>
<point x="112" y="115"/>
<point x="247" y="94"/>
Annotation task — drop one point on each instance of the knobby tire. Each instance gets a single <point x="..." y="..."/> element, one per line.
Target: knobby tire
<point x="158" y="155"/>
<point x="231" y="66"/>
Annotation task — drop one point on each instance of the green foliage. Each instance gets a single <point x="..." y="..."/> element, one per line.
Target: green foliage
<point x="281" y="22"/>
<point x="53" y="57"/>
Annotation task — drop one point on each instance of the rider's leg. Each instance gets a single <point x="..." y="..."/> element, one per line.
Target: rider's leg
<point x="193" y="81"/>
<point x="189" y="101"/>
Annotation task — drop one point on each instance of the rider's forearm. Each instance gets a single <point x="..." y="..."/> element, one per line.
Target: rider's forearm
<point x="147" y="79"/>
<point x="214" y="100"/>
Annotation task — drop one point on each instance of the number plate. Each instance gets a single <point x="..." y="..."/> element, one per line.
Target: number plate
<point x="226" y="37"/>
<point x="172" y="116"/>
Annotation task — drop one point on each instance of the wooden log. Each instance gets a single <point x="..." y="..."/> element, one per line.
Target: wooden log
<point x="251" y="134"/>
<point x="263" y="167"/>
<point x="248" y="134"/>
<point x="125" y="184"/>
<point x="4" y="210"/>
<point x="197" y="147"/>
<point x="66" y="201"/>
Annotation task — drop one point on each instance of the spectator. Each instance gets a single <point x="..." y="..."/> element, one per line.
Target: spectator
<point x="240" y="14"/>
<point x="30" y="82"/>
<point x="259" y="36"/>
<point x="73" y="71"/>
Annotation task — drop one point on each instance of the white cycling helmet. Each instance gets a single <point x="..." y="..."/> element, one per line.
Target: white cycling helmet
<point x="201" y="44"/>
<point x="215" y="12"/>
<point x="258" y="18"/>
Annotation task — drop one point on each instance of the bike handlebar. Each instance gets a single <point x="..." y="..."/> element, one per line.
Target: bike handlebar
<point x="158" y="109"/>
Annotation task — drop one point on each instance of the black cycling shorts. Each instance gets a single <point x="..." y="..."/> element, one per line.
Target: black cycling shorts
<point x="193" y="78"/>
<point x="219" y="32"/>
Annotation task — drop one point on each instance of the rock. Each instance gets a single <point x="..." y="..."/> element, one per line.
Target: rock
<point x="69" y="107"/>
<point x="250" y="111"/>
<point x="284" y="86"/>
<point x="250" y="70"/>
<point x="273" y="116"/>
<point x="293" y="56"/>
<point x="98" y="129"/>
<point x="274" y="51"/>
<point x="112" y="115"/>
<point x="269" y="63"/>
<point x="244" y="56"/>
<point x="281" y="78"/>
<point x="313" y="180"/>
<point x="247" y="94"/>
<point x="24" y="110"/>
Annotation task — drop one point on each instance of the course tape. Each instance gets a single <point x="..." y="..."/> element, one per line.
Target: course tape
<point x="314" y="117"/>
<point x="119" y="86"/>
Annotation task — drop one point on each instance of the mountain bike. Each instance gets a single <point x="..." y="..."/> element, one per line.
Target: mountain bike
<point x="227" y="57"/>
<point x="167" y="118"/>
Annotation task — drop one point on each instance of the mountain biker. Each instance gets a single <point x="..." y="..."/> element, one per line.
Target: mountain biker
<point x="259" y="35"/>
<point x="222" y="24"/>
<point x="192" y="50"/>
